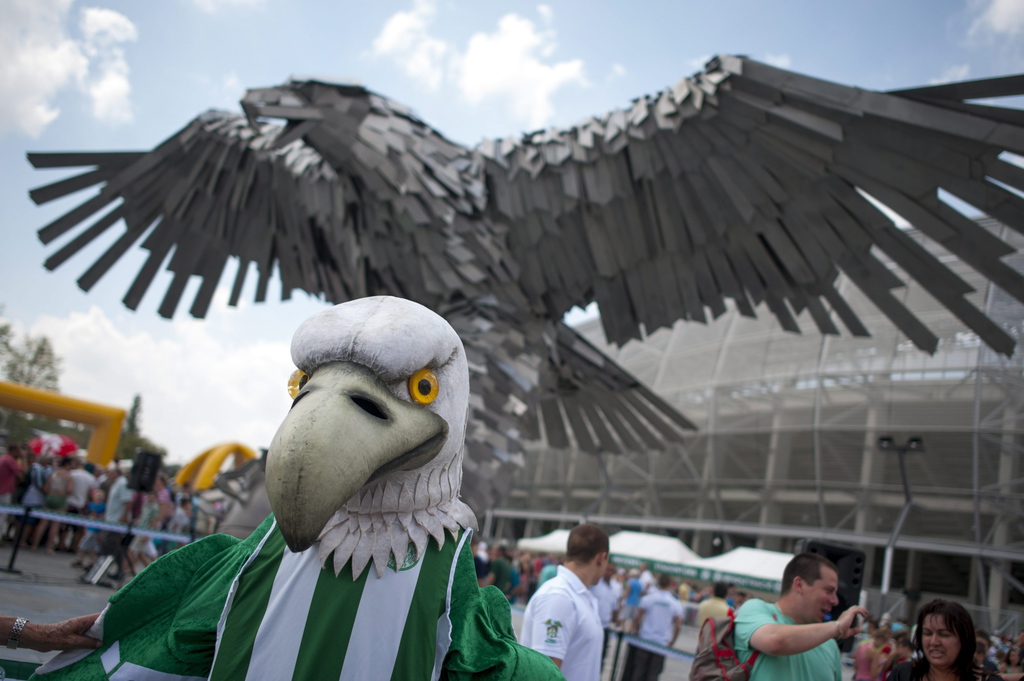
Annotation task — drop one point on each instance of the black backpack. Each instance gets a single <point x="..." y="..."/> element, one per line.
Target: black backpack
<point x="716" y="658"/>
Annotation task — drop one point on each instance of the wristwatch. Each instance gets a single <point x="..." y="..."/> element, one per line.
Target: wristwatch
<point x="14" y="638"/>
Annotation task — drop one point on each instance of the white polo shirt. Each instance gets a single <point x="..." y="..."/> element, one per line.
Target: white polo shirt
<point x="607" y="600"/>
<point x="561" y="621"/>
<point x="660" y="608"/>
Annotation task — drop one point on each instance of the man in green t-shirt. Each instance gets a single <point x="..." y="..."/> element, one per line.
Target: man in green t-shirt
<point x="499" y="573"/>
<point x="794" y="642"/>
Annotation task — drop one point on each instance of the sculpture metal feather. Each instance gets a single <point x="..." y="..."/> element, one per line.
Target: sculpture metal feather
<point x="745" y="183"/>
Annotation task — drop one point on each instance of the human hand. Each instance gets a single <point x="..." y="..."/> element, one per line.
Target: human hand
<point x="60" y="635"/>
<point x="846" y="621"/>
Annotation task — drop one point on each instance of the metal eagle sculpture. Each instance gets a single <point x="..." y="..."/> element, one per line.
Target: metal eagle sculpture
<point x="744" y="182"/>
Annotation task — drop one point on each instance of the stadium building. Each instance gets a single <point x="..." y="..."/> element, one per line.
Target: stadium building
<point x="788" y="447"/>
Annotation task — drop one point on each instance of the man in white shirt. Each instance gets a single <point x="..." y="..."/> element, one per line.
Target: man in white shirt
<point x="658" y="620"/>
<point x="119" y="510"/>
<point x="607" y="591"/>
<point x="561" y="620"/>
<point x="646" y="578"/>
<point x="119" y="498"/>
<point x="82" y="482"/>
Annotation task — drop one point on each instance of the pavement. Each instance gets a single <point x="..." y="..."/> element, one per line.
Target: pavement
<point x="48" y="589"/>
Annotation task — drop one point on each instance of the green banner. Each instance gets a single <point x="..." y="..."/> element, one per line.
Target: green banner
<point x="757" y="583"/>
<point x="700" y="574"/>
<point x="673" y="569"/>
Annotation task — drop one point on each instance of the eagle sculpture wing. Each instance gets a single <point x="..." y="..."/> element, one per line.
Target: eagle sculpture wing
<point x="354" y="196"/>
<point x="744" y="182"/>
<point x="748" y="182"/>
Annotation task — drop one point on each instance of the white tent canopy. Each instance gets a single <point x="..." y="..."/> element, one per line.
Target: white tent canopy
<point x="752" y="568"/>
<point x="664" y="554"/>
<point x="552" y="542"/>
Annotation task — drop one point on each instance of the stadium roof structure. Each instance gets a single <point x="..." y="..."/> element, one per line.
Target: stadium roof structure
<point x="788" y="429"/>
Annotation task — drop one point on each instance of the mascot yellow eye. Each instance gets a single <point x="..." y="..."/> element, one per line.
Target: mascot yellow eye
<point x="296" y="382"/>
<point x="423" y="386"/>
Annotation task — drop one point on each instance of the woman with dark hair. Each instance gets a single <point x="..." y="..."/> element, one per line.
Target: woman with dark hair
<point x="1012" y="664"/>
<point x="944" y="640"/>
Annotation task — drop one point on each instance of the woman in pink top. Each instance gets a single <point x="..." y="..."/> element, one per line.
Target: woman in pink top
<point x="868" y="659"/>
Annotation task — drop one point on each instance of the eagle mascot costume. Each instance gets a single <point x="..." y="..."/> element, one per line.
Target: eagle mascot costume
<point x="364" y="569"/>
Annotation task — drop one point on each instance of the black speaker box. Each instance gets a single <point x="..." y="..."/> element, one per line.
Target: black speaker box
<point x="144" y="471"/>
<point x="850" y="562"/>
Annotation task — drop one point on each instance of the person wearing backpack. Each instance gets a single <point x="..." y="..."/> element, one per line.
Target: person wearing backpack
<point x="792" y="638"/>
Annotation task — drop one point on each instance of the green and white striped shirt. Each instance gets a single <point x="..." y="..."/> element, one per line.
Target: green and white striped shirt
<point x="221" y="609"/>
<point x="288" y="618"/>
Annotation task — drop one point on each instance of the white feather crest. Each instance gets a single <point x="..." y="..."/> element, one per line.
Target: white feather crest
<point x="387" y="517"/>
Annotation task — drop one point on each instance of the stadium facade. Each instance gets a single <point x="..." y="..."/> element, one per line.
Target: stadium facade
<point x="787" y="445"/>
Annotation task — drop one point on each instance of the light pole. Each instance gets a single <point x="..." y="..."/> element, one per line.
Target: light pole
<point x="887" y="444"/>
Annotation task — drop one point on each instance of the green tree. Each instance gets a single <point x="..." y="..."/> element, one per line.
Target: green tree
<point x="131" y="424"/>
<point x="33" y="362"/>
<point x="132" y="442"/>
<point x="5" y="333"/>
<point x="132" y="438"/>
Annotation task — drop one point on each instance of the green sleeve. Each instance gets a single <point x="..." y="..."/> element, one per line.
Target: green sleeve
<point x="753" y="615"/>
<point x="166" y="618"/>
<point x="483" y="641"/>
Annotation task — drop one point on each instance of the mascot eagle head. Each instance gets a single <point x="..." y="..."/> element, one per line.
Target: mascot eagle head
<point x="368" y="461"/>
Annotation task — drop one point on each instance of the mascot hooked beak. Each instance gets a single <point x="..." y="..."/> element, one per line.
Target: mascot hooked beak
<point x="345" y="429"/>
<point x="384" y="398"/>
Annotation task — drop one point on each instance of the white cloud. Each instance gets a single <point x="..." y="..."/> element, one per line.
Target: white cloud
<point x="405" y="39"/>
<point x="1000" y="16"/>
<point x="509" y="64"/>
<point x="233" y="86"/>
<point x="197" y="389"/>
<point x="103" y="30"/>
<point x="213" y="6"/>
<point x="617" y="71"/>
<point x="505" y="64"/>
<point x="952" y="74"/>
<point x="780" y="61"/>
<point x="39" y="60"/>
<point x="697" y="63"/>
<point x="223" y="91"/>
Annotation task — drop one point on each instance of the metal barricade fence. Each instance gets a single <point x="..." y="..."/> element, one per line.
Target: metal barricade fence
<point x="22" y="514"/>
<point x="1007" y="624"/>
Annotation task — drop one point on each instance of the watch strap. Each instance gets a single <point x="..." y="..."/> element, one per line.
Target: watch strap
<point x="15" y="636"/>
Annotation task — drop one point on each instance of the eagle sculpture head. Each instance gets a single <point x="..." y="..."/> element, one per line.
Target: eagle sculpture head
<point x="368" y="461"/>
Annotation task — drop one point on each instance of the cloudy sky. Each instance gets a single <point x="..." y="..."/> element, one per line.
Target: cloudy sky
<point x="114" y="75"/>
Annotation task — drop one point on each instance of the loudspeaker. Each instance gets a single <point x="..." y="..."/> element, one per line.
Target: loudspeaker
<point x="850" y="562"/>
<point x="144" y="471"/>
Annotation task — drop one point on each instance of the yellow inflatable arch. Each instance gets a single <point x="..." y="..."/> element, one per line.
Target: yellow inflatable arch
<point x="105" y="420"/>
<point x="202" y="470"/>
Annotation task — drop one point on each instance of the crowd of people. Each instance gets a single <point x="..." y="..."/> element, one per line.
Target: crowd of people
<point x="556" y="588"/>
<point x="518" y="574"/>
<point x="75" y="487"/>
<point x="574" y="602"/>
<point x="885" y="646"/>
<point x="790" y="638"/>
